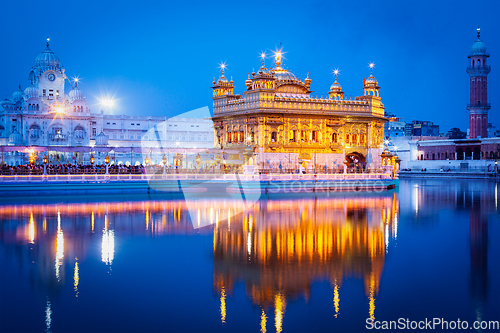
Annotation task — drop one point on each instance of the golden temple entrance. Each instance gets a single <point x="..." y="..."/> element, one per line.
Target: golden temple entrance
<point x="355" y="162"/>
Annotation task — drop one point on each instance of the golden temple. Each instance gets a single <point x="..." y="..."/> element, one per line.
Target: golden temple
<point x="278" y="117"/>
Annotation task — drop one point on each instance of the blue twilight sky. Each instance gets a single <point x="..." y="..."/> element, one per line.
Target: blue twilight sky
<point x="160" y="57"/>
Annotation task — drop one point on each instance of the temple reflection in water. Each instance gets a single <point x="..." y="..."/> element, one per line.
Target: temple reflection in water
<point x="278" y="252"/>
<point x="278" y="248"/>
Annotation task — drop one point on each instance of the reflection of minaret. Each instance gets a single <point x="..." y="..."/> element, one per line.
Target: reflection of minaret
<point x="478" y="255"/>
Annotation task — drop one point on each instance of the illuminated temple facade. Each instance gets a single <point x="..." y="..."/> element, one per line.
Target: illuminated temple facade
<point x="285" y="125"/>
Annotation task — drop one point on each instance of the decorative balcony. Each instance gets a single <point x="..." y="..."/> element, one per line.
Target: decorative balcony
<point x="479" y="106"/>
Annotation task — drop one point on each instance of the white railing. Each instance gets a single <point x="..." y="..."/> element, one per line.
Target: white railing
<point x="90" y="178"/>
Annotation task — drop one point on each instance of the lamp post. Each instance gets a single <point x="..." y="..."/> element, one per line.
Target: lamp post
<point x="164" y="160"/>
<point x="44" y="165"/>
<point x="106" y="160"/>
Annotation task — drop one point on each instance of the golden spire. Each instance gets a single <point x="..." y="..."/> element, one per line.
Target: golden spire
<point x="478" y="32"/>
<point x="48" y="41"/>
<point x="336" y="72"/>
<point x="371" y="65"/>
<point x="222" y="66"/>
<point x="263" y="57"/>
<point x="278" y="56"/>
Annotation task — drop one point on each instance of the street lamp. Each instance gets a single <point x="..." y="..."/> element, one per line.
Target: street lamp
<point x="147" y="161"/>
<point x="92" y="160"/>
<point x="44" y="159"/>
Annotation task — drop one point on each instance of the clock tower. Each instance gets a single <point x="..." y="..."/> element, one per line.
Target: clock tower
<point x="49" y="76"/>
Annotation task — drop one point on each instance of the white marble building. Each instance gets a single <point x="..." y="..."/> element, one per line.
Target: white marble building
<point x="44" y="115"/>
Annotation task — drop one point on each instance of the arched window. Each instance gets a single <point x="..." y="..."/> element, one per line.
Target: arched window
<point x="472" y="63"/>
<point x="304" y="136"/>
<point x="314" y="136"/>
<point x="347" y="138"/>
<point x="37" y="107"/>
<point x="334" y="137"/>
<point x="354" y="138"/>
<point x="478" y="63"/>
<point x="274" y="137"/>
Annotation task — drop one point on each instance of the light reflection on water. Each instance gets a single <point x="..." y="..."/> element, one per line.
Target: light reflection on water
<point x="279" y="251"/>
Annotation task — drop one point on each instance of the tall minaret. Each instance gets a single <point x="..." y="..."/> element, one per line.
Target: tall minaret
<point x="478" y="107"/>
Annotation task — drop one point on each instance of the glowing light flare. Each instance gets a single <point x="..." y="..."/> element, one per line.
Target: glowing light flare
<point x="395" y="226"/>
<point x="278" y="56"/>
<point x="76" y="279"/>
<point x="223" y="305"/>
<point x="31" y="230"/>
<point x="279" y="310"/>
<point x="249" y="243"/>
<point x="371" y="65"/>
<point x="336" y="299"/>
<point x="48" y="315"/>
<point x="386" y="237"/>
<point x="222" y="67"/>
<point x="263" y="322"/>
<point x="59" y="246"/>
<point x="336" y="72"/>
<point x="107" y="102"/>
<point x="108" y="246"/>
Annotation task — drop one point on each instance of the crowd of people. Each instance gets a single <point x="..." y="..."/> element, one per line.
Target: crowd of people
<point x="64" y="169"/>
<point x="53" y="169"/>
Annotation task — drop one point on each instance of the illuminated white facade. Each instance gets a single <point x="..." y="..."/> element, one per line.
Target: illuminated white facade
<point x="43" y="114"/>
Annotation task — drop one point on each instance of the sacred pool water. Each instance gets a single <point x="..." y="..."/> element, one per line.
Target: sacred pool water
<point x="297" y="262"/>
